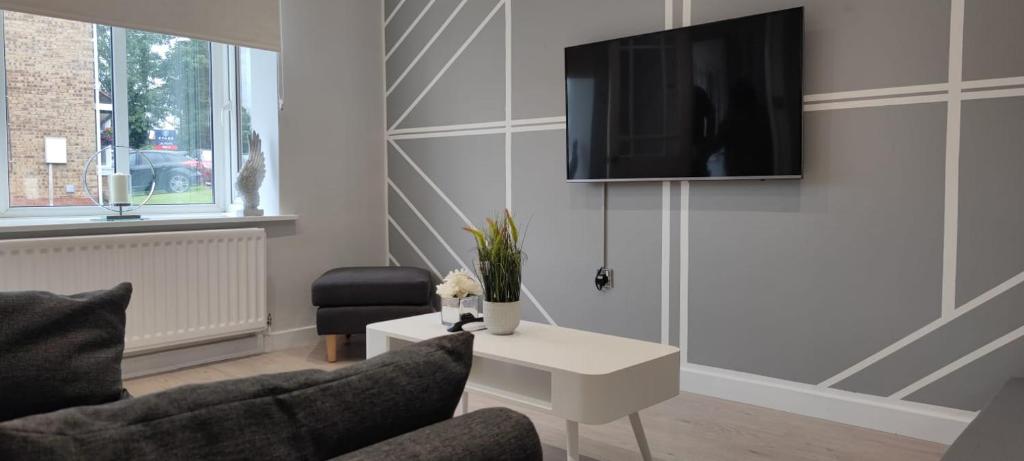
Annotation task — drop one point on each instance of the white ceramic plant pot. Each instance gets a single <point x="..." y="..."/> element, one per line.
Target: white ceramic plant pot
<point x="501" y="318"/>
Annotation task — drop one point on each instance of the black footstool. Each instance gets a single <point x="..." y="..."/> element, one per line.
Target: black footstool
<point x="349" y="298"/>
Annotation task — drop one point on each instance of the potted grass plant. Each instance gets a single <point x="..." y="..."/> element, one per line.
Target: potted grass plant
<point x="499" y="266"/>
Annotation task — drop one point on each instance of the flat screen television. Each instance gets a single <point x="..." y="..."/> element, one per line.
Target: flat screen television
<point x="721" y="100"/>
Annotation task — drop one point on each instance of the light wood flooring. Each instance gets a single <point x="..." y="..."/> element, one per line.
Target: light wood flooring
<point x="688" y="427"/>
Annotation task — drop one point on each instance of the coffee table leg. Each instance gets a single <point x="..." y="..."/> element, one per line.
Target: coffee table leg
<point x="572" y="441"/>
<point x="641" y="438"/>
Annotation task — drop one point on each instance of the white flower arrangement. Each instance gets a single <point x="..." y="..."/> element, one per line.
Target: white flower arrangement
<point x="459" y="284"/>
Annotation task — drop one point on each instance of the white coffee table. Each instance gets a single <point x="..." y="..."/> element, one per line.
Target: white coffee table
<point x="583" y="377"/>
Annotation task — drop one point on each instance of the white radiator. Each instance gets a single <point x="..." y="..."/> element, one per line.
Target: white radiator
<point x="189" y="286"/>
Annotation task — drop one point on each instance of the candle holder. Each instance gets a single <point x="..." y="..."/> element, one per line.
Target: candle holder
<point x="123" y="209"/>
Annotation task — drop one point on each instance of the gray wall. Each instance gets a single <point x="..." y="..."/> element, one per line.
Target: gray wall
<point x="798" y="280"/>
<point x="332" y="161"/>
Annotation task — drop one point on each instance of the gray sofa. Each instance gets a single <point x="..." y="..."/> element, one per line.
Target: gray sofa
<point x="395" y="406"/>
<point x="997" y="433"/>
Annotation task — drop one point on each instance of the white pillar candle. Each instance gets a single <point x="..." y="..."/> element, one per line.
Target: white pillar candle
<point x="120" y="189"/>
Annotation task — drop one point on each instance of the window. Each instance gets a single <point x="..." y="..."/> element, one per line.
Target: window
<point x="145" y="100"/>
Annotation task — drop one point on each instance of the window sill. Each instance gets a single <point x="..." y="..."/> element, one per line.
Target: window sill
<point x="71" y="223"/>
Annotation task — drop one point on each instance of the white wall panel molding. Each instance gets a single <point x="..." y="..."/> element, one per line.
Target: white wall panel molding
<point x="393" y="13"/>
<point x="991" y="94"/>
<point x="952" y="197"/>
<point x="457" y="211"/>
<point x="877" y="93"/>
<point x="408" y="30"/>
<point x="414" y="247"/>
<point x="908" y="418"/>
<point x="925" y="330"/>
<point x="447" y="65"/>
<point x="429" y="227"/>
<point x="426" y="47"/>
<point x="508" y="108"/>
<point x="684" y="269"/>
<point x="960" y="363"/>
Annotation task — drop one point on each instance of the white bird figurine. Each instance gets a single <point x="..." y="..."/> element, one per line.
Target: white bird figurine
<point x="250" y="177"/>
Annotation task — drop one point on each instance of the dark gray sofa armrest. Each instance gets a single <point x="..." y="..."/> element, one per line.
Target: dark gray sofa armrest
<point x="491" y="434"/>
<point x="997" y="433"/>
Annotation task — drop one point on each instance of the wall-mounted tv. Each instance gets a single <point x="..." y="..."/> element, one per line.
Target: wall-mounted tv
<point x="721" y="100"/>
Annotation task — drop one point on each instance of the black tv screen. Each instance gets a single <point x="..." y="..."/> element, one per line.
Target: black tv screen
<point x="721" y="100"/>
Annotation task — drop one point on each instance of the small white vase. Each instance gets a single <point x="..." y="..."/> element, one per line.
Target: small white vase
<point x="501" y="318"/>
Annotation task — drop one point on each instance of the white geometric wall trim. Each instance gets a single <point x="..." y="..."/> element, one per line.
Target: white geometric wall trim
<point x="952" y="188"/>
<point x="387" y="20"/>
<point x="448" y="64"/>
<point x="925" y="330"/>
<point x="429" y="227"/>
<point x="436" y="234"/>
<point x="407" y="31"/>
<point x="414" y="246"/>
<point x="426" y="47"/>
<point x="960" y="363"/>
<point x="951" y="93"/>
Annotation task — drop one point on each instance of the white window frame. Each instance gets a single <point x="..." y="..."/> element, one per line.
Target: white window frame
<point x="222" y="69"/>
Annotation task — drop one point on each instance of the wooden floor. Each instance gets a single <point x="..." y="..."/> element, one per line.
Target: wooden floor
<point x="688" y="427"/>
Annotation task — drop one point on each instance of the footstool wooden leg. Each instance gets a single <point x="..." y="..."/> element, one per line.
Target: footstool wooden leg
<point x="332" y="348"/>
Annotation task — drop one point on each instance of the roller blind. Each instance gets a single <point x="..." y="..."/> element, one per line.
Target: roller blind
<point x="252" y="23"/>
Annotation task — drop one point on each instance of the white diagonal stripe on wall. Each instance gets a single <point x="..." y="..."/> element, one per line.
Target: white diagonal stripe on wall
<point x="409" y="30"/>
<point x="431" y="183"/>
<point x="448" y="64"/>
<point x="393" y="12"/>
<point x="960" y="363"/>
<point x="536" y="303"/>
<point x="393" y="260"/>
<point x="413" y="245"/>
<point x="426" y="47"/>
<point x="457" y="211"/>
<point x="921" y="332"/>
<point x="430" y="228"/>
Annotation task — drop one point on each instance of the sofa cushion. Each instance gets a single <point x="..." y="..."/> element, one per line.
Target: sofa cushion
<point x="373" y="286"/>
<point x="309" y="414"/>
<point x="60" y="351"/>
<point x="490" y="434"/>
<point x="996" y="433"/>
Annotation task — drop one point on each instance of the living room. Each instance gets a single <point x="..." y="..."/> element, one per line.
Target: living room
<point x="208" y="208"/>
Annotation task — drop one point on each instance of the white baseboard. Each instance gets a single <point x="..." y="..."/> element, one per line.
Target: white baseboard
<point x="134" y="366"/>
<point x="292" y="337"/>
<point x="917" y="420"/>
